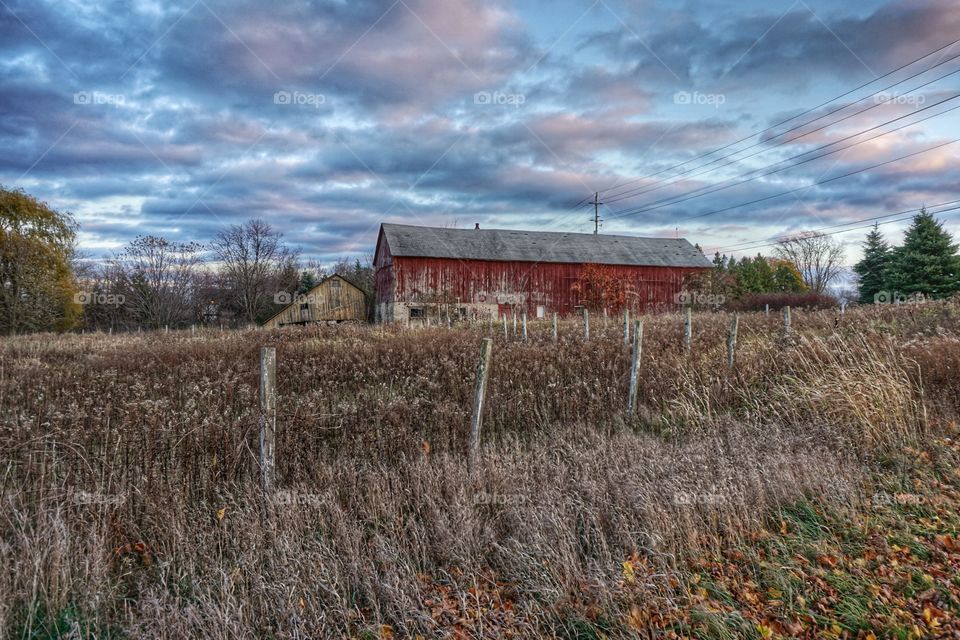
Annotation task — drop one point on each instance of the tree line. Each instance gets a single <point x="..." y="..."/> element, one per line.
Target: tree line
<point x="243" y="276"/>
<point x="925" y="266"/>
<point x="247" y="273"/>
<point x="799" y="273"/>
<point x="805" y="268"/>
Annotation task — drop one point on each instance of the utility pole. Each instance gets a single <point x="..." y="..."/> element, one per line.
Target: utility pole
<point x="596" y="212"/>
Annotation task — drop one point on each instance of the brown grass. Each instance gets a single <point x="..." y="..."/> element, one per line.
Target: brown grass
<point x="113" y="442"/>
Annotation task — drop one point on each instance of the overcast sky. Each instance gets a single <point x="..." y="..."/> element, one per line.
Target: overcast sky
<point x="177" y="118"/>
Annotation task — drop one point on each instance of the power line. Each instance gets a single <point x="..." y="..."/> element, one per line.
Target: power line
<point x="820" y="182"/>
<point x="743" y="246"/>
<point x="833" y="233"/>
<point x="585" y="202"/>
<point x="736" y="180"/>
<point x="801" y="114"/>
<point x="663" y="183"/>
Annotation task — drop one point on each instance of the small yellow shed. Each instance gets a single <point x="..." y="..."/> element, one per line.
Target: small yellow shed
<point x="334" y="299"/>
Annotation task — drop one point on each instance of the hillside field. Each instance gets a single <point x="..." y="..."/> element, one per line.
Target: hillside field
<point x="813" y="491"/>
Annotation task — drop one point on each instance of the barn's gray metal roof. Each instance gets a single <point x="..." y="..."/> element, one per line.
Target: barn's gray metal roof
<point x="540" y="246"/>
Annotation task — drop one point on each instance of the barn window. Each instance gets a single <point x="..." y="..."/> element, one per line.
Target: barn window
<point x="334" y="284"/>
<point x="304" y="306"/>
<point x="541" y="311"/>
<point x="416" y="313"/>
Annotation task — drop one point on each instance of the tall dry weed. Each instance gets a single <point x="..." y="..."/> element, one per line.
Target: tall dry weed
<point x="131" y="502"/>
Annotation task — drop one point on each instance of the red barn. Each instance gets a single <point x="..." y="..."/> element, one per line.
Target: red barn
<point x="425" y="271"/>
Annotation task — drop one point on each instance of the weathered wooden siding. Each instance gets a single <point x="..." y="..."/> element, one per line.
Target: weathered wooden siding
<point x="383" y="280"/>
<point x="521" y="285"/>
<point x="334" y="299"/>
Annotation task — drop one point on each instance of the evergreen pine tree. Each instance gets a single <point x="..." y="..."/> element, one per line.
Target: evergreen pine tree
<point x="306" y="282"/>
<point x="754" y="275"/>
<point x="764" y="274"/>
<point x="927" y="263"/>
<point x="719" y="262"/>
<point x="872" y="270"/>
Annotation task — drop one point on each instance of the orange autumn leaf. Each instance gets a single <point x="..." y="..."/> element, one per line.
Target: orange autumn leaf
<point x="827" y="561"/>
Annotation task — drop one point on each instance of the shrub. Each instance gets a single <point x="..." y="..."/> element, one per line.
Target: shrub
<point x="809" y="300"/>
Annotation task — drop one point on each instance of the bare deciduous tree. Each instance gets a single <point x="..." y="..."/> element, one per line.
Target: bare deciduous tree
<point x="158" y="280"/>
<point x="816" y="256"/>
<point x="104" y="287"/>
<point x="255" y="266"/>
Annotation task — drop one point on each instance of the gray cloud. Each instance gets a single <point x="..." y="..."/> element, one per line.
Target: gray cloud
<point x="181" y="133"/>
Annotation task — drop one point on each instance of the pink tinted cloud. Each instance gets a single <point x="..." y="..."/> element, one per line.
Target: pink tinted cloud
<point x="407" y="55"/>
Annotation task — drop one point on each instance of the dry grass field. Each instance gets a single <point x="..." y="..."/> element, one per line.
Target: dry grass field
<point x="812" y="491"/>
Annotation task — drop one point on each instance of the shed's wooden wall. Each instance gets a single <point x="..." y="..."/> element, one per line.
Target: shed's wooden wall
<point x="334" y="299"/>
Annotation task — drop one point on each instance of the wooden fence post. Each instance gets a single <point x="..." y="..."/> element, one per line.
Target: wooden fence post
<point x="786" y="322"/>
<point x="732" y="342"/>
<point x="766" y="308"/>
<point x="626" y="326"/>
<point x="687" y="329"/>
<point x="555" y="332"/>
<point x="268" y="414"/>
<point x="505" y="335"/>
<point x="586" y="324"/>
<point x="480" y="392"/>
<point x="524" y="326"/>
<point x="635" y="366"/>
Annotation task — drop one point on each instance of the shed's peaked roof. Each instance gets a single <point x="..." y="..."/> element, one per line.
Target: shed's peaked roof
<point x="297" y="298"/>
<point x="540" y="246"/>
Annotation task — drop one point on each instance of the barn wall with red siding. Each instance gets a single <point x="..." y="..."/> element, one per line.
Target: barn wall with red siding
<point x="521" y="285"/>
